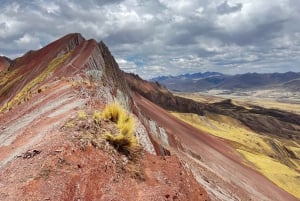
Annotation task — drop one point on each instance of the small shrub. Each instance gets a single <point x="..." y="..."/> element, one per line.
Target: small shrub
<point x="82" y="114"/>
<point x="113" y="112"/>
<point x="125" y="141"/>
<point x="126" y="127"/>
<point x="126" y="144"/>
<point x="69" y="124"/>
<point x="94" y="74"/>
<point x="97" y="116"/>
<point x="124" y="119"/>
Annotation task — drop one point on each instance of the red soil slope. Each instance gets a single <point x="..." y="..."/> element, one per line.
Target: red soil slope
<point x="64" y="171"/>
<point x="214" y="156"/>
<point x="39" y="93"/>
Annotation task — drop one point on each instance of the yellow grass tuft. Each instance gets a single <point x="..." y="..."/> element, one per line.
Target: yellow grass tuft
<point x="126" y="128"/>
<point x="125" y="144"/>
<point x="125" y="123"/>
<point x="97" y="116"/>
<point x="81" y="114"/>
<point x="125" y="141"/>
<point x="69" y="125"/>
<point x="113" y="112"/>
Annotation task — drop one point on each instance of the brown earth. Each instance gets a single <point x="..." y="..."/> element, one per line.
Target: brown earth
<point x="39" y="160"/>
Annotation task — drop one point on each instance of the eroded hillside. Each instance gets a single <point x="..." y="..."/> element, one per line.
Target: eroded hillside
<point x="250" y="141"/>
<point x="266" y="121"/>
<point x="54" y="141"/>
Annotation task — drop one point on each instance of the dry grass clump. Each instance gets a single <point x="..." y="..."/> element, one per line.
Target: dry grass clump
<point x="81" y="114"/>
<point x="113" y="112"/>
<point x="112" y="131"/>
<point x="113" y="125"/>
<point x="97" y="116"/>
<point x="125" y="141"/>
<point x="126" y="144"/>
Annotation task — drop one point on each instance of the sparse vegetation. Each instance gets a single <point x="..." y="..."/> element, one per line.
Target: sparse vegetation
<point x="282" y="175"/>
<point x="97" y="116"/>
<point x="124" y="141"/>
<point x="5" y="88"/>
<point x="254" y="147"/>
<point x="7" y="76"/>
<point x="110" y="130"/>
<point x="69" y="124"/>
<point x="81" y="114"/>
<point x="45" y="172"/>
<point x="113" y="125"/>
<point x="24" y="93"/>
<point x="113" y="112"/>
<point x="94" y="75"/>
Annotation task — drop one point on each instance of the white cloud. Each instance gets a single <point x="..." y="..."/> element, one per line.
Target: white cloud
<point x="127" y="66"/>
<point x="165" y="37"/>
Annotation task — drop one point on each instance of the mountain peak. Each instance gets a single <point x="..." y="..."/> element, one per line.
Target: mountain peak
<point x="50" y="101"/>
<point x="4" y="63"/>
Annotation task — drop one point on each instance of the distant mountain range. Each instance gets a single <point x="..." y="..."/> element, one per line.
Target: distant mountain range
<point x="214" y="80"/>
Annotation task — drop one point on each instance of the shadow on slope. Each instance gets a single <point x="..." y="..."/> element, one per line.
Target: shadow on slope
<point x="264" y="121"/>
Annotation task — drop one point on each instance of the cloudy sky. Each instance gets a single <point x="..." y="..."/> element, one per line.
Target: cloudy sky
<point x="163" y="37"/>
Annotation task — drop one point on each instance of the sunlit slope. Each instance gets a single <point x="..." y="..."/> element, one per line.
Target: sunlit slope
<point x="276" y="159"/>
<point x="290" y="104"/>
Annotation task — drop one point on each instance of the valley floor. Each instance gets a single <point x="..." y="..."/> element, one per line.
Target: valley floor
<point x="276" y="99"/>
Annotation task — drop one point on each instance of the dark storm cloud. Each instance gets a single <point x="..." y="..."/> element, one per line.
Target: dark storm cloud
<point x="173" y="37"/>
